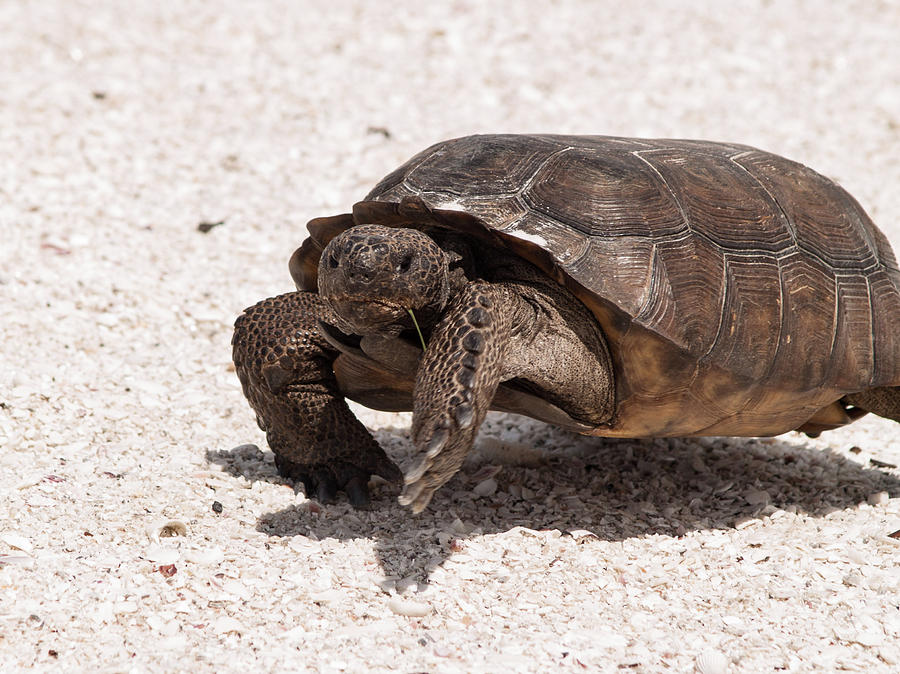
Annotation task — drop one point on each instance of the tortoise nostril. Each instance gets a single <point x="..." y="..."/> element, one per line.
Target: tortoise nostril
<point x="406" y="262"/>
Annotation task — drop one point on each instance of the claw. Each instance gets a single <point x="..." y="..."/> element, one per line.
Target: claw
<point x="422" y="499"/>
<point x="357" y="492"/>
<point x="434" y="446"/>
<point x="415" y="493"/>
<point x="415" y="474"/>
<point x="327" y="486"/>
<point x="309" y="484"/>
<point x="420" y="504"/>
<point x="410" y="493"/>
<point x="464" y="415"/>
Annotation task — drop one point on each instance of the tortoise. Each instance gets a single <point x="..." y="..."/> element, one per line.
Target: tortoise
<point x="613" y="286"/>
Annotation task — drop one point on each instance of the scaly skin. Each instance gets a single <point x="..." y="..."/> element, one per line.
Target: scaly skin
<point x="456" y="383"/>
<point x="285" y="369"/>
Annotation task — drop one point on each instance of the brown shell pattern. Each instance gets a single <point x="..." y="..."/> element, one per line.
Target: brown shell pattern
<point x="740" y="291"/>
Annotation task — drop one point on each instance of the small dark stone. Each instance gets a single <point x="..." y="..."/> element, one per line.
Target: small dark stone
<point x="206" y="226"/>
<point x="167" y="570"/>
<point x="217" y="507"/>
<point x="379" y="131"/>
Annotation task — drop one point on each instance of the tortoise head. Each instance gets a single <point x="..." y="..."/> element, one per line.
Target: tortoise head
<point x="373" y="275"/>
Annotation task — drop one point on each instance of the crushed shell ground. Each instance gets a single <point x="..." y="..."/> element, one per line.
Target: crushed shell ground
<point x="143" y="526"/>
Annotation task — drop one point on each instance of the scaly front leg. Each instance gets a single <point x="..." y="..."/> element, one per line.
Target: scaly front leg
<point x="286" y="371"/>
<point x="455" y="385"/>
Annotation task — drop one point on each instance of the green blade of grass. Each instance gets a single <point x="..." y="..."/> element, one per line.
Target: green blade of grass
<point x="416" y="323"/>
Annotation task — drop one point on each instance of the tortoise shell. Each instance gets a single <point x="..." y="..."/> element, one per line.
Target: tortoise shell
<point x="741" y="293"/>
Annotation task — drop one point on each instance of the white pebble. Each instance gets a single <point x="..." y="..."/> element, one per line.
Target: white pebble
<point x="327" y="597"/>
<point x="227" y="624"/>
<point x="878" y="498"/>
<point x="889" y="655"/>
<point x="857" y="556"/>
<point x="16" y="541"/>
<point x="583" y="535"/>
<point x="235" y="588"/>
<point x="405" y="584"/>
<point x="757" y="497"/>
<point x="388" y="584"/>
<point x="297" y="633"/>
<point x="162" y="554"/>
<point x="29" y="482"/>
<point x="853" y="579"/>
<point x="412" y="609"/>
<point x="208" y="556"/>
<point x="458" y="527"/>
<point x="486" y="487"/>
<point x="869" y="637"/>
<point x="609" y="640"/>
<point x="163" y="626"/>
<point x="17" y="560"/>
<point x="734" y="625"/>
<point x="125" y="606"/>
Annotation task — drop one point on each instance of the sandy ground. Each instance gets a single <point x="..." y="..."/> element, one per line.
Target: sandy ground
<point x="144" y="527"/>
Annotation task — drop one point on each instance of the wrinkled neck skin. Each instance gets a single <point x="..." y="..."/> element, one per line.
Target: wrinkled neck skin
<point x="372" y="276"/>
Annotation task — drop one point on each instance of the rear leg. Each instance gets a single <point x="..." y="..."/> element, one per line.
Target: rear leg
<point x="883" y="401"/>
<point x="286" y="371"/>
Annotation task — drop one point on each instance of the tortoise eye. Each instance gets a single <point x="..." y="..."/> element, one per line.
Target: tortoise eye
<point x="332" y="261"/>
<point x="406" y="262"/>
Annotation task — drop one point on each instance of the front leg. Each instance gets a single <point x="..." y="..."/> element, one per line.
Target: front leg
<point x="286" y="371"/>
<point x="528" y="329"/>
<point x="455" y="385"/>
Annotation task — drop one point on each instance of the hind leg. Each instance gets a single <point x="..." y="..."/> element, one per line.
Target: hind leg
<point x="286" y="371"/>
<point x="883" y="401"/>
